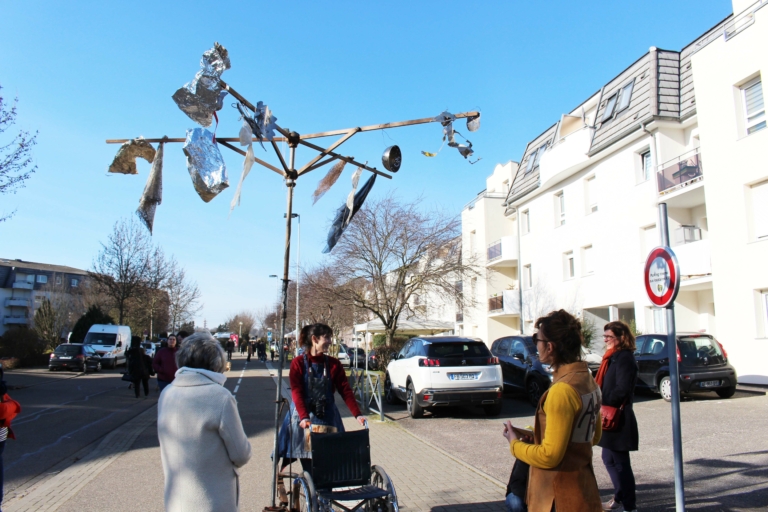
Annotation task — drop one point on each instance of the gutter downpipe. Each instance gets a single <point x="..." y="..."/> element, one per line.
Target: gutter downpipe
<point x="519" y="273"/>
<point x="654" y="153"/>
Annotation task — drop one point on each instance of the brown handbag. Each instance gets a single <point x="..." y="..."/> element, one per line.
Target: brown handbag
<point x="611" y="416"/>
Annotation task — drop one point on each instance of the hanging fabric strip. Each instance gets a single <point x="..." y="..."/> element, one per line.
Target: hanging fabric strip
<point x="344" y="215"/>
<point x="327" y="182"/>
<point x="351" y="196"/>
<point x="247" y="164"/>
<point x="153" y="191"/>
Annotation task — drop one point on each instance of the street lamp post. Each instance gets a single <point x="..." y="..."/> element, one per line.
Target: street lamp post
<point x="298" y="260"/>
<point x="241" y="332"/>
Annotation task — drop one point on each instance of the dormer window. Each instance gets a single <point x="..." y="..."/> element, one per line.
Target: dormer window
<point x="610" y="106"/>
<point x="533" y="160"/>
<point x="618" y="102"/>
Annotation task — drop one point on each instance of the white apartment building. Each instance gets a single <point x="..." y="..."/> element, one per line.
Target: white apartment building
<point x="684" y="128"/>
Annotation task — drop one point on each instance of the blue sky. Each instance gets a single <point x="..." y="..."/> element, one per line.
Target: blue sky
<point x="85" y="72"/>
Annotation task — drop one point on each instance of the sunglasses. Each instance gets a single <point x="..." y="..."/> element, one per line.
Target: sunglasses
<point x="537" y="339"/>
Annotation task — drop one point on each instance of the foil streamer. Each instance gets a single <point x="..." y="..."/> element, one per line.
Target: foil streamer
<point x="125" y="159"/>
<point x="153" y="191"/>
<point x="247" y="164"/>
<point x="465" y="150"/>
<point x="473" y="123"/>
<point x="446" y="119"/>
<point x="201" y="97"/>
<point x="205" y="164"/>
<point x="344" y="215"/>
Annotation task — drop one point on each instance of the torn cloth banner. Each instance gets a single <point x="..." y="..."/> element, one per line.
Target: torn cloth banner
<point x="205" y="164"/>
<point x="328" y="181"/>
<point x="344" y="215"/>
<point x="125" y="159"/>
<point x="204" y="95"/>
<point x="153" y="191"/>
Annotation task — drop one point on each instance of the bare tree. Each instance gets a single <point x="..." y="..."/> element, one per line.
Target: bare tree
<point x="390" y="252"/>
<point x="120" y="269"/>
<point x="332" y="309"/>
<point x="247" y="318"/>
<point x="183" y="297"/>
<point x="49" y="323"/>
<point x="153" y="299"/>
<point x="16" y="155"/>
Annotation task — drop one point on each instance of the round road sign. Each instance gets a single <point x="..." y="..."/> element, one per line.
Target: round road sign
<point x="662" y="276"/>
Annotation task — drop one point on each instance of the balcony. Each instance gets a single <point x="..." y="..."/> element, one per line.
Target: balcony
<point x="506" y="304"/>
<point x="17" y="303"/>
<point x="15" y="320"/>
<point x="695" y="260"/>
<point x="23" y="285"/>
<point x="503" y="252"/>
<point x="680" y="172"/>
<point x="566" y="156"/>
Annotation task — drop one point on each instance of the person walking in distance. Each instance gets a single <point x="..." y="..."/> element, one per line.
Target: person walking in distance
<point x="164" y="363"/>
<point x="567" y="424"/>
<point x="230" y="348"/>
<point x="250" y="350"/>
<point x="139" y="366"/>
<point x="272" y="351"/>
<point x="617" y="377"/>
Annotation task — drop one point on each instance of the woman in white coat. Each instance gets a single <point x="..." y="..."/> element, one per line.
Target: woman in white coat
<point x="202" y="442"/>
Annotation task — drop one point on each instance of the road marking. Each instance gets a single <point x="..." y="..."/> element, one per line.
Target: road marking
<point x="239" y="380"/>
<point x="236" y="388"/>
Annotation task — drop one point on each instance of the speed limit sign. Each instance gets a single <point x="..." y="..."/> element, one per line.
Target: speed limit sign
<point x="662" y="276"/>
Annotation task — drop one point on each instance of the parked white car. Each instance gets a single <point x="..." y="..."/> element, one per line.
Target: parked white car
<point x="439" y="371"/>
<point x="343" y="357"/>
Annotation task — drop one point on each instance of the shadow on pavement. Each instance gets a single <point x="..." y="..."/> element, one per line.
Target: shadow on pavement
<point x="470" y="507"/>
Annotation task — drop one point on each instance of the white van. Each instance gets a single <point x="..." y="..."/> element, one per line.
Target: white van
<point x="110" y="342"/>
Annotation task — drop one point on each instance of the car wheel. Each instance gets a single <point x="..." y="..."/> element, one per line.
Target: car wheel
<point x="534" y="389"/>
<point x="85" y="368"/>
<point x="493" y="410"/>
<point x="414" y="409"/>
<point x="726" y="392"/>
<point x="51" y="369"/>
<point x="389" y="393"/>
<point x="98" y="366"/>
<point x="665" y="388"/>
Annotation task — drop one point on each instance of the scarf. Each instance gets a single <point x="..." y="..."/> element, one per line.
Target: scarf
<point x="604" y="367"/>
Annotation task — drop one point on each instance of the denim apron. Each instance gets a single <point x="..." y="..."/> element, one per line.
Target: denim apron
<point x="317" y="385"/>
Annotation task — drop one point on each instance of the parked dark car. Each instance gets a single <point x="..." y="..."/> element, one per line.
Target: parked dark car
<point x="74" y="356"/>
<point x="702" y="360"/>
<point x="520" y="366"/>
<point x="373" y="360"/>
<point x="356" y="357"/>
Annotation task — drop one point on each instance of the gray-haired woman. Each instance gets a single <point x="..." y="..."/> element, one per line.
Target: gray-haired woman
<point x="202" y="442"/>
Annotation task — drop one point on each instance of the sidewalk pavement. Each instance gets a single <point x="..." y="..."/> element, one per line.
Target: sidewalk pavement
<point x="124" y="472"/>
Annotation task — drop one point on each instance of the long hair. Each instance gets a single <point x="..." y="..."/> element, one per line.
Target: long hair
<point x="319" y="330"/>
<point x="564" y="331"/>
<point x="624" y="337"/>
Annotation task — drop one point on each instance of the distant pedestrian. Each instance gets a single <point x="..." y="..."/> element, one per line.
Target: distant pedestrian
<point x="617" y="377"/>
<point x="230" y="348"/>
<point x="164" y="363"/>
<point x="138" y="366"/>
<point x="272" y="351"/>
<point x="250" y="350"/>
<point x="566" y="425"/>
<point x="9" y="409"/>
<point x="242" y="346"/>
<point x="202" y="441"/>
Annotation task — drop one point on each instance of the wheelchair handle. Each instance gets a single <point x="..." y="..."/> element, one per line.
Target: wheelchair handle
<point x="365" y="424"/>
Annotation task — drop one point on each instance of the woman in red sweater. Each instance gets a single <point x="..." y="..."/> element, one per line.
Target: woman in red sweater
<point x="314" y="376"/>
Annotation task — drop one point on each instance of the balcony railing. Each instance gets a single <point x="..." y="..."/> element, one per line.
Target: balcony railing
<point x="494" y="251"/>
<point x="680" y="172"/>
<point x="23" y="285"/>
<point x="15" y="320"/>
<point x="22" y="303"/>
<point x="496" y="303"/>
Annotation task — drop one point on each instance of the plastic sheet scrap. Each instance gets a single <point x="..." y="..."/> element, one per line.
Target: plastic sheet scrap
<point x="153" y="191"/>
<point x="205" y="164"/>
<point x="203" y="96"/>
<point x="351" y="196"/>
<point x="473" y="123"/>
<point x="344" y="215"/>
<point x="262" y="123"/>
<point x="247" y="164"/>
<point x="125" y="159"/>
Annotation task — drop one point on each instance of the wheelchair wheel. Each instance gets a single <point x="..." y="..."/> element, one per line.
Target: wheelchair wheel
<point x="307" y="499"/>
<point x="380" y="479"/>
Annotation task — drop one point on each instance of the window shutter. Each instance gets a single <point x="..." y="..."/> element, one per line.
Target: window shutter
<point x="753" y="99"/>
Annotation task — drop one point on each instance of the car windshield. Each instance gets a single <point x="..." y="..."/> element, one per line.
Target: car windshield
<point x="100" y="338"/>
<point x="698" y="346"/>
<point x="146" y="345"/>
<point x="458" y="349"/>
<point x="67" y="350"/>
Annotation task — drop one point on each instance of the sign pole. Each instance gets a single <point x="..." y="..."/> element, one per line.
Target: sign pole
<point x="674" y="377"/>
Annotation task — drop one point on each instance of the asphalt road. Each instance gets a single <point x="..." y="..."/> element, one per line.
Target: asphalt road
<point x="63" y="414"/>
<point x="725" y="448"/>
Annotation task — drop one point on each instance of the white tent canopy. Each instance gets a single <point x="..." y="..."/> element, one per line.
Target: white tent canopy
<point x="408" y="327"/>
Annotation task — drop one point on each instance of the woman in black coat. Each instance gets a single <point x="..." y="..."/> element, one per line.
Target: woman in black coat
<point x="616" y="378"/>
<point x="139" y="366"/>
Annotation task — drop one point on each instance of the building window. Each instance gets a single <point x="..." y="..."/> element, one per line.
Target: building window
<point x="764" y="307"/>
<point x="527" y="277"/>
<point x="58" y="279"/>
<point x="559" y="209"/>
<point x="525" y="222"/>
<point x="586" y="260"/>
<point x="610" y="105"/>
<point x="534" y="158"/>
<point x="591" y="193"/>
<point x="759" y="198"/>
<point x="646" y="165"/>
<point x="73" y="283"/>
<point x="625" y="94"/>
<point x="569" y="266"/>
<point x="754" y="106"/>
<point x="42" y="279"/>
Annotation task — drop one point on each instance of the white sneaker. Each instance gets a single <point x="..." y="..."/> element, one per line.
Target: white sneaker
<point x="612" y="504"/>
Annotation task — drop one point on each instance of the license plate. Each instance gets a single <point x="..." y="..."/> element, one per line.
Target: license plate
<point x="709" y="383"/>
<point x="65" y="357"/>
<point x="463" y="376"/>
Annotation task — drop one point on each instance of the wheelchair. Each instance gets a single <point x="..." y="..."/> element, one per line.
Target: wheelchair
<point x="342" y="472"/>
